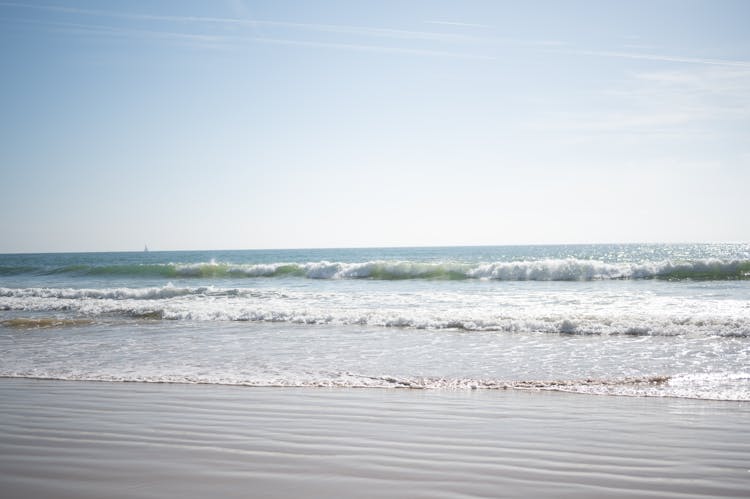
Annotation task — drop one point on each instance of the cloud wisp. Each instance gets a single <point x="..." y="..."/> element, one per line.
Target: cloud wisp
<point x="415" y="42"/>
<point x="212" y="32"/>
<point x="120" y="32"/>
<point x="459" y="24"/>
<point x="686" y="103"/>
<point x="659" y="57"/>
<point x="369" y="48"/>
<point x="331" y="28"/>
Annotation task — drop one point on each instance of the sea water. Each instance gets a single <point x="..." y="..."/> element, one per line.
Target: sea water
<point x="640" y="320"/>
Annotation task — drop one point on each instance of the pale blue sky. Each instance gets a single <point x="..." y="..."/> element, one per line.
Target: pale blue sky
<point x="245" y="124"/>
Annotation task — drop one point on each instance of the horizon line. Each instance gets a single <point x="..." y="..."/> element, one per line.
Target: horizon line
<point x="315" y="248"/>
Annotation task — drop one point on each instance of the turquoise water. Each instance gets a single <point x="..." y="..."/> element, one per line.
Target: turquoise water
<point x="650" y="320"/>
<point x="573" y="262"/>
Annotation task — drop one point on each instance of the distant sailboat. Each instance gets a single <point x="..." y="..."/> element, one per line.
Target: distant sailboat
<point x="145" y="248"/>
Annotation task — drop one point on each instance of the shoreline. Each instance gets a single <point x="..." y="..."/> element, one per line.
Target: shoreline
<point x="84" y="439"/>
<point x="535" y="386"/>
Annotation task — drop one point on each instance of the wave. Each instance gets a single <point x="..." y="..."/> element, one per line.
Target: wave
<point x="45" y="322"/>
<point x="212" y="304"/>
<point x="150" y="293"/>
<point x="354" y="380"/>
<point x="713" y="386"/>
<point x="570" y="269"/>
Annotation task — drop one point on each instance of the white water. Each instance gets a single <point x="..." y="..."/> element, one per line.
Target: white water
<point x="593" y="308"/>
<point x="601" y="324"/>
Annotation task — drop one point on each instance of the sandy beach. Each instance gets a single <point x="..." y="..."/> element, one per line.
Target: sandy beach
<point x="384" y="249"/>
<point x="137" y="440"/>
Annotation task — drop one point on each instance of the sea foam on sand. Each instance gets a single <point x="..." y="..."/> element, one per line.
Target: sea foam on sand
<point x="131" y="440"/>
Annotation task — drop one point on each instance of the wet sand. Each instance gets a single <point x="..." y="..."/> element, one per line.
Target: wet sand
<point x="135" y="440"/>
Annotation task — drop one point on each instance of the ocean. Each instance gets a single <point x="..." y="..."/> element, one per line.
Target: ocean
<point x="654" y="320"/>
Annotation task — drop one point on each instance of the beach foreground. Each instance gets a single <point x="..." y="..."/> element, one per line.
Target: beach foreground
<point x="98" y="439"/>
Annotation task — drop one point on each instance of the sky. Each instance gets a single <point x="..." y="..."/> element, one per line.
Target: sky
<point x="241" y="124"/>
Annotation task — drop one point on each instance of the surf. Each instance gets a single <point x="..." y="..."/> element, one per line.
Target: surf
<point x="568" y="269"/>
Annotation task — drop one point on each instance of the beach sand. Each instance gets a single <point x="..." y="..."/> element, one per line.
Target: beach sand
<point x="137" y="440"/>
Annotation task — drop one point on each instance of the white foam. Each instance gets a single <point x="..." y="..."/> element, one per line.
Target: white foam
<point x="549" y="269"/>
<point x="713" y="386"/>
<point x="559" y="313"/>
<point x="150" y="293"/>
<point x="599" y="308"/>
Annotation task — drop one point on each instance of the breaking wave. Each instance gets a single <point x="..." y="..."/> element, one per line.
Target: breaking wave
<point x="207" y="304"/>
<point x="153" y="293"/>
<point x="570" y="269"/>
<point x="355" y="380"/>
<point x="719" y="386"/>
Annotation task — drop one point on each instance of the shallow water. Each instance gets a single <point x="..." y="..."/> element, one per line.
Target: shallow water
<point x="648" y="320"/>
